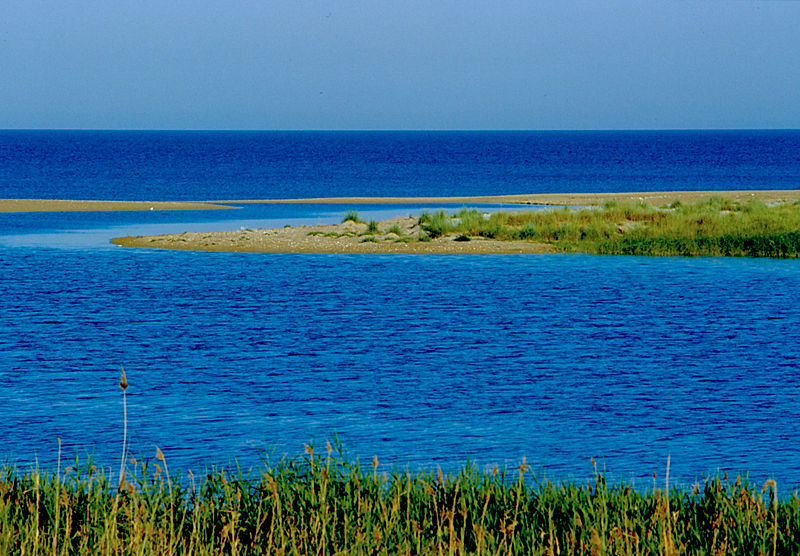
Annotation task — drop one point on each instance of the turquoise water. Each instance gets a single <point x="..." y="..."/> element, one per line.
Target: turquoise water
<point x="420" y="360"/>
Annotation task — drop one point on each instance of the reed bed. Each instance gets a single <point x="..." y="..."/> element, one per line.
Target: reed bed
<point x="328" y="505"/>
<point x="715" y="226"/>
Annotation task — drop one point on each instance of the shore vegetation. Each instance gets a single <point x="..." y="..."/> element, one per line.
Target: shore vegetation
<point x="351" y="216"/>
<point x="715" y="226"/>
<point x="328" y="505"/>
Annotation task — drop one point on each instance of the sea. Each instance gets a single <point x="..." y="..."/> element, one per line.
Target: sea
<point x="648" y="366"/>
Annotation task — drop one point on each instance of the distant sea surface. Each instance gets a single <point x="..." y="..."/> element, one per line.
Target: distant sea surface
<point x="420" y="360"/>
<point x="265" y="165"/>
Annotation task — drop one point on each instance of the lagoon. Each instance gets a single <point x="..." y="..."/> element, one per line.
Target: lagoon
<point x="420" y="360"/>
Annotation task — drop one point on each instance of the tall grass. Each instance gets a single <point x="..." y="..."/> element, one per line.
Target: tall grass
<point x="330" y="505"/>
<point x="327" y="504"/>
<point x="715" y="226"/>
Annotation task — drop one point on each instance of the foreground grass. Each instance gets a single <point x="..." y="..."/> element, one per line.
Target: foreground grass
<point x="327" y="505"/>
<point x="715" y="226"/>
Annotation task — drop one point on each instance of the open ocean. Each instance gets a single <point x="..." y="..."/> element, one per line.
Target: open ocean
<point x="422" y="360"/>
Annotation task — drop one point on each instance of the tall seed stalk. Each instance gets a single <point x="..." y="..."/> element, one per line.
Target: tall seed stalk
<point x="123" y="383"/>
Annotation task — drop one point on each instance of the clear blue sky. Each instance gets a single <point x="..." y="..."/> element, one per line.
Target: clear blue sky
<point x="375" y="64"/>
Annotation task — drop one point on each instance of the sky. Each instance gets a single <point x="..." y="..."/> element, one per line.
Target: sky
<point x="411" y="64"/>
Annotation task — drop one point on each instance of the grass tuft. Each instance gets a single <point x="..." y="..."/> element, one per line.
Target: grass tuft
<point x="395" y="229"/>
<point x="352" y="216"/>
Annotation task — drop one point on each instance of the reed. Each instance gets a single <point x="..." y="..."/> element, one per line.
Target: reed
<point x="327" y="504"/>
<point x="123" y="384"/>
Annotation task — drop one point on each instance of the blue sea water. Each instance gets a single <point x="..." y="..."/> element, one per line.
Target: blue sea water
<point x="258" y="165"/>
<point x="420" y="360"/>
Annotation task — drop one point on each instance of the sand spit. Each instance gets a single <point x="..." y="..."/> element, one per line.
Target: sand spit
<point x="53" y="205"/>
<point x="347" y="237"/>
<point x="350" y="237"/>
<point x="557" y="199"/>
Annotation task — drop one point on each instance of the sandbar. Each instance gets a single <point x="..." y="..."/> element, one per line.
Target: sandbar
<point x="63" y="205"/>
<point x="350" y="237"/>
<point x="401" y="234"/>
<point x="554" y="199"/>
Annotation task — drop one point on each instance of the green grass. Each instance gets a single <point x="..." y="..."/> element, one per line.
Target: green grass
<point x="435" y="224"/>
<point x="715" y="226"/>
<point x="338" y="234"/>
<point x="328" y="505"/>
<point x="351" y="215"/>
<point x="395" y="229"/>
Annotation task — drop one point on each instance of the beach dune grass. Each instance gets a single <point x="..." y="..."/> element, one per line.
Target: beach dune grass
<point x="327" y="504"/>
<point x="714" y="226"/>
<point x="351" y="216"/>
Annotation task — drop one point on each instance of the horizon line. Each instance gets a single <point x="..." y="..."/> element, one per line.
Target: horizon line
<point x="396" y="130"/>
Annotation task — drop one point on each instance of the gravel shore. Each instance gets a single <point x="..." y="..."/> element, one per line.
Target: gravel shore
<point x="397" y="235"/>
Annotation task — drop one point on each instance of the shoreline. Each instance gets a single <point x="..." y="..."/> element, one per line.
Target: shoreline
<point x="67" y="205"/>
<point x="399" y="235"/>
<point x="552" y="199"/>
<point x="402" y="234"/>
<point x="545" y="199"/>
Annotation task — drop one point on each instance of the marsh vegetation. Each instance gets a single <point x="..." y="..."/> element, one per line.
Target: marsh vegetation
<point x="715" y="226"/>
<point x="326" y="504"/>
